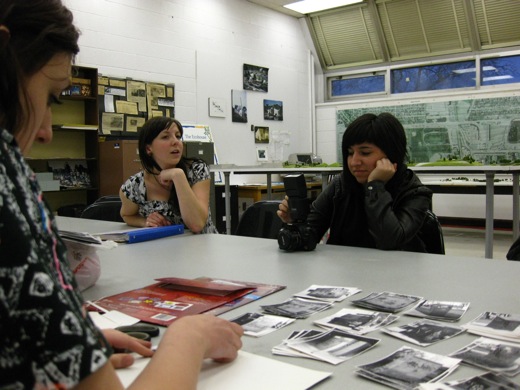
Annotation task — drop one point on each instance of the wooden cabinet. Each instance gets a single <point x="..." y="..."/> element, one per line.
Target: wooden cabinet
<point x="118" y="160"/>
<point x="72" y="156"/>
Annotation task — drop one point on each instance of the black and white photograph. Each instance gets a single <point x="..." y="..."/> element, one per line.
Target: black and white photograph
<point x="261" y="154"/>
<point x="71" y="173"/>
<point x="493" y="355"/>
<point x="296" y="308"/>
<point x="387" y="301"/>
<point x="238" y="106"/>
<point x="256" y="78"/>
<point x="334" y="346"/>
<point x="256" y="324"/>
<point x="439" y="310"/>
<point x="261" y="135"/>
<point x="284" y="349"/>
<point x="273" y="110"/>
<point x="328" y="293"/>
<point x="496" y="325"/>
<point x="357" y="321"/>
<point x="407" y="367"/>
<point x="489" y="380"/>
<point x="424" y="332"/>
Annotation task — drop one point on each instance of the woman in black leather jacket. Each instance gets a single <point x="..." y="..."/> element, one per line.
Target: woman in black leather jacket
<point x="376" y="202"/>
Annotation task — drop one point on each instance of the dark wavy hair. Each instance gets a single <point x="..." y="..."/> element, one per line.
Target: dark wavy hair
<point x="38" y="30"/>
<point x="383" y="130"/>
<point x="150" y="130"/>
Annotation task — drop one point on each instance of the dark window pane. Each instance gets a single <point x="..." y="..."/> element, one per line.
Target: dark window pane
<point x="357" y="85"/>
<point x="503" y="70"/>
<point x="434" y="77"/>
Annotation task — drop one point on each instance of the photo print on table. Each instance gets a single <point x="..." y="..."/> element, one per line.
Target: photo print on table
<point x="296" y="308"/>
<point x="256" y="78"/>
<point x="424" y="332"/>
<point x="256" y="324"/>
<point x="407" y="367"/>
<point x="327" y="293"/>
<point x="439" y="310"/>
<point x="387" y="301"/>
<point x="357" y="321"/>
<point x="496" y="325"/>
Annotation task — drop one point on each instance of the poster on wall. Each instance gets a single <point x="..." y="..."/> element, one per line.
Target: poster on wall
<point x="273" y="110"/>
<point x="239" y="106"/>
<point x="255" y="78"/>
<point x="217" y="107"/>
<point x="261" y="135"/>
<point x="485" y="130"/>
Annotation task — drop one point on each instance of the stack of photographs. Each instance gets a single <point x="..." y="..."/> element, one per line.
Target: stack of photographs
<point x="296" y="308"/>
<point x="387" y="301"/>
<point x="331" y="346"/>
<point x="328" y="293"/>
<point x="357" y="321"/>
<point x="407" y="368"/>
<point x="255" y="324"/>
<point x="439" y="310"/>
<point x="496" y="325"/>
<point x="424" y="332"/>
<point x="492" y="355"/>
<point x="488" y="381"/>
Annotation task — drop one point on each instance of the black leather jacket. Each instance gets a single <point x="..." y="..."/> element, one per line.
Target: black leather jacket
<point x="373" y="215"/>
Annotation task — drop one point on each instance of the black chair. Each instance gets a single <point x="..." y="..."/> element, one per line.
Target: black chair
<point x="260" y="220"/>
<point x="104" y="209"/>
<point x="431" y="234"/>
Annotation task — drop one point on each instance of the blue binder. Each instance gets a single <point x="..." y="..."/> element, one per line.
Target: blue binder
<point x="144" y="234"/>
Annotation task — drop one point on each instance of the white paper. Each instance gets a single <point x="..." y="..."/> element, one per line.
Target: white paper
<point x="248" y="371"/>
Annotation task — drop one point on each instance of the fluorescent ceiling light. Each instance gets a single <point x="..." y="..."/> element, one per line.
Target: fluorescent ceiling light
<point x="470" y="70"/>
<point x="497" y="78"/>
<point x="308" y="6"/>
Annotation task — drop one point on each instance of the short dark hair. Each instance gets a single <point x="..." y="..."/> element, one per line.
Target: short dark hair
<point x="150" y="130"/>
<point x="383" y="130"/>
<point x="38" y="30"/>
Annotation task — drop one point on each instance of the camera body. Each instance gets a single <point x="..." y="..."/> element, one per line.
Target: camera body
<point x="297" y="235"/>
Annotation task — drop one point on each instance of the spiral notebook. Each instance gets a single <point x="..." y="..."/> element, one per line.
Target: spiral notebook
<point x="144" y="234"/>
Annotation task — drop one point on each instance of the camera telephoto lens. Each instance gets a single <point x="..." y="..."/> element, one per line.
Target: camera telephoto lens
<point x="288" y="239"/>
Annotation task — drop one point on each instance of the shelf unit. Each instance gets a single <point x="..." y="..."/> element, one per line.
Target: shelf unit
<point x="75" y="137"/>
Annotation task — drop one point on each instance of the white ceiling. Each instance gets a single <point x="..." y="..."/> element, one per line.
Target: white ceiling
<point x="378" y="32"/>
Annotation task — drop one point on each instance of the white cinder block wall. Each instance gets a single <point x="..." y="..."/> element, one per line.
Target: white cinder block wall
<point x="201" y="46"/>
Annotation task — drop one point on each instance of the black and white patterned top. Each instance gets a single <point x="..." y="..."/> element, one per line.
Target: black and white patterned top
<point x="46" y="339"/>
<point x="135" y="190"/>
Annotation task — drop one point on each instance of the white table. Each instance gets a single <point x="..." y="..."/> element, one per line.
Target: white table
<point x="489" y="172"/>
<point x="490" y="285"/>
<point x="325" y="172"/>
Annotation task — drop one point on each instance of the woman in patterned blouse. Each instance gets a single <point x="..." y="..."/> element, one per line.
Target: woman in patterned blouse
<point x="46" y="339"/>
<point x="170" y="189"/>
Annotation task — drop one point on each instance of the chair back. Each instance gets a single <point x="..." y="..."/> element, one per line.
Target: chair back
<point x="431" y="234"/>
<point x="104" y="210"/>
<point x="260" y="220"/>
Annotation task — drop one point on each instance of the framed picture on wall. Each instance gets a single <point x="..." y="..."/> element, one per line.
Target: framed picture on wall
<point x="273" y="110"/>
<point x="255" y="78"/>
<point x="261" y="154"/>
<point x="217" y="107"/>
<point x="261" y="135"/>
<point x="239" y="106"/>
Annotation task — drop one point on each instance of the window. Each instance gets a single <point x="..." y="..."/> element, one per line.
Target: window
<point x="434" y="77"/>
<point x="342" y="86"/>
<point x="501" y="70"/>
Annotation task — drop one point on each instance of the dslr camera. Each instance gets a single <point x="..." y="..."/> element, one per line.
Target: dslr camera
<point x="297" y="235"/>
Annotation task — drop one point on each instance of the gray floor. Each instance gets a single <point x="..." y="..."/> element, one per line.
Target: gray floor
<point x="470" y="242"/>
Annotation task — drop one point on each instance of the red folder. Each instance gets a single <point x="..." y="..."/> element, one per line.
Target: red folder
<point x="172" y="298"/>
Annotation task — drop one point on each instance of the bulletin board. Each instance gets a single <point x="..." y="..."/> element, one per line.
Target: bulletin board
<point x="486" y="129"/>
<point x="125" y="104"/>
